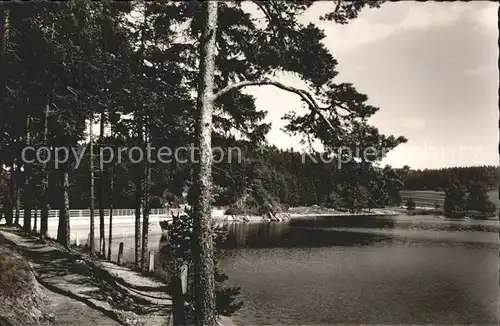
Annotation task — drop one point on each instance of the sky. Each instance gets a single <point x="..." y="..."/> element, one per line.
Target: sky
<point x="431" y="68"/>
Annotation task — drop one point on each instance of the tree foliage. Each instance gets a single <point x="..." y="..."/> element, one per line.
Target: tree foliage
<point x="455" y="203"/>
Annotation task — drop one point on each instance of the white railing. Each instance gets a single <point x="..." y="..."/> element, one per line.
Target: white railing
<point x="123" y="221"/>
<point x="117" y="212"/>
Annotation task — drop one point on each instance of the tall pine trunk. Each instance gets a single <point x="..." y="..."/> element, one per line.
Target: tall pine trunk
<point x="111" y="201"/>
<point x="102" y="237"/>
<point x="17" y="197"/>
<point x="204" y="283"/>
<point x="9" y="207"/>
<point x="139" y="166"/>
<point x="28" y="186"/>
<point x="92" y="196"/>
<point x="138" y="204"/>
<point x="44" y="204"/>
<point x="145" y="217"/>
<point x="4" y="40"/>
<point x="63" y="231"/>
<point x="35" y="219"/>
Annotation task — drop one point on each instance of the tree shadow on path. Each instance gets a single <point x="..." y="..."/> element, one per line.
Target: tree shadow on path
<point x="75" y="276"/>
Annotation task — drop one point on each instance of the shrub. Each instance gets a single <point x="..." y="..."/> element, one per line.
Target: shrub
<point x="177" y="251"/>
<point x="285" y="207"/>
<point x="410" y="204"/>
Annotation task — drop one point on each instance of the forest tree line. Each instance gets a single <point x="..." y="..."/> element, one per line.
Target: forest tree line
<point x="283" y="177"/>
<point x="442" y="179"/>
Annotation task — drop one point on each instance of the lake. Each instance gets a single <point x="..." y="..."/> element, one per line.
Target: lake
<point x="364" y="270"/>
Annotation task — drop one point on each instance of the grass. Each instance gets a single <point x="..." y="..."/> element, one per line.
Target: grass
<point x="15" y="274"/>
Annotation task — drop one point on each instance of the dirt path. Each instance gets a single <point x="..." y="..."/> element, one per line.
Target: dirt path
<point x="67" y="311"/>
<point x="81" y="291"/>
<point x="113" y="292"/>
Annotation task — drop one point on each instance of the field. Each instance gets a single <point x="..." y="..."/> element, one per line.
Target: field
<point x="429" y="197"/>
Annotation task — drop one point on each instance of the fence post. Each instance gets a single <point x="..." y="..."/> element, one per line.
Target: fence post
<point x="151" y="263"/>
<point x="120" y="253"/>
<point x="184" y="274"/>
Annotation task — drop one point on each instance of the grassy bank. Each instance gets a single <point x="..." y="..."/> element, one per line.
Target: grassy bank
<point x="20" y="295"/>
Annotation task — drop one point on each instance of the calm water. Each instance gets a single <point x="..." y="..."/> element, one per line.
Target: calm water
<point x="391" y="270"/>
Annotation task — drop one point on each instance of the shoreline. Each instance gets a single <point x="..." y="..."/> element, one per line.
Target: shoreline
<point x="283" y="217"/>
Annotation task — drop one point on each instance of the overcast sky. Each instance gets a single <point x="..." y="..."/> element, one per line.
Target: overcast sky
<point x="431" y="68"/>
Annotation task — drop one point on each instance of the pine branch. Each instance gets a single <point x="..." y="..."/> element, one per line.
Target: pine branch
<point x="302" y="93"/>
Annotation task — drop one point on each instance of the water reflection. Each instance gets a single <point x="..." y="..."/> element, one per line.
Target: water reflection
<point x="360" y="231"/>
<point x="360" y="222"/>
<point x="388" y="270"/>
<point x="274" y="235"/>
<point x="400" y="222"/>
<point x="363" y="270"/>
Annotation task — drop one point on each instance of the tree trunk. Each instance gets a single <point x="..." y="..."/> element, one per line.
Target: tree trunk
<point x="139" y="166"/>
<point x="111" y="194"/>
<point x="138" y="205"/>
<point x="63" y="231"/>
<point x="35" y="220"/>
<point x="102" y="237"/>
<point x="204" y="283"/>
<point x="17" y="196"/>
<point x="8" y="210"/>
<point x="172" y="258"/>
<point x="28" y="186"/>
<point x="4" y="27"/>
<point x="92" y="196"/>
<point x="44" y="205"/>
<point x="145" y="216"/>
<point x="9" y="207"/>
<point x="26" y="199"/>
<point x="178" y="300"/>
<point x="4" y="40"/>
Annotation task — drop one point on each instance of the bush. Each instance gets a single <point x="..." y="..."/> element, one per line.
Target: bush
<point x="490" y="207"/>
<point x="156" y="202"/>
<point x="410" y="204"/>
<point x="285" y="207"/>
<point x="247" y="206"/>
<point x="177" y="251"/>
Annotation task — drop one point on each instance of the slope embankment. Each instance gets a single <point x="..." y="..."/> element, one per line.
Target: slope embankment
<point x="20" y="295"/>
